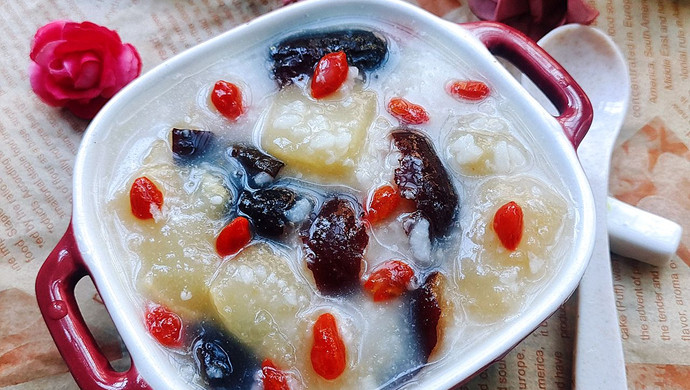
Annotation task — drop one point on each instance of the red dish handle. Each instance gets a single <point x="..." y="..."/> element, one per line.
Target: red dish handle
<point x="573" y="105"/>
<point x="55" y="294"/>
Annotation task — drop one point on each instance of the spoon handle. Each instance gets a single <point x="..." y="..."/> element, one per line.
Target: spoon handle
<point x="640" y="235"/>
<point x="586" y="53"/>
<point x="590" y="56"/>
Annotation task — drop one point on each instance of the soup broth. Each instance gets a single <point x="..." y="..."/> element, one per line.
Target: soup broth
<point x="344" y="241"/>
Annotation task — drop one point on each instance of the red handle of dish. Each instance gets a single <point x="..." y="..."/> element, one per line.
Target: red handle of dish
<point x="55" y="294"/>
<point x="573" y="105"/>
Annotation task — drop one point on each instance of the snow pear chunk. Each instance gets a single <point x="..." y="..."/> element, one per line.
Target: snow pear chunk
<point x="321" y="137"/>
<point x="259" y="299"/>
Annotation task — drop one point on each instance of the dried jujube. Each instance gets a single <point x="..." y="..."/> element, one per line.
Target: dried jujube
<point x="221" y="361"/>
<point x="426" y="308"/>
<point x="422" y="178"/>
<point x="335" y="245"/>
<point x="296" y="56"/>
<point x="254" y="161"/>
<point x="266" y="208"/>
<point x="189" y="144"/>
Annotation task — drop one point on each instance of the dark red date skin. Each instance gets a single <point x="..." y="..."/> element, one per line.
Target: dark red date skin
<point x="255" y="161"/>
<point x="297" y="56"/>
<point x="223" y="362"/>
<point x="426" y="303"/>
<point x="422" y="178"/>
<point x="266" y="209"/>
<point x="335" y="244"/>
<point x="190" y="144"/>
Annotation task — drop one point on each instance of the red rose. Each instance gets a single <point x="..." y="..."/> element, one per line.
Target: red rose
<point x="534" y="17"/>
<point x="80" y="66"/>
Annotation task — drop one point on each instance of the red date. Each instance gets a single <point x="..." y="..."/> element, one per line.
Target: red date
<point x="422" y="178"/>
<point x="335" y="247"/>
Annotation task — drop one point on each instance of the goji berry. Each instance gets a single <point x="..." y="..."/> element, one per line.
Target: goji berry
<point x="384" y="202"/>
<point x="407" y="112"/>
<point x="143" y="196"/>
<point x="390" y="280"/>
<point x="272" y="377"/>
<point x="235" y="236"/>
<point x="468" y="89"/>
<point x="508" y="225"/>
<point x="227" y="98"/>
<point x="164" y="325"/>
<point x="329" y="75"/>
<point x="328" y="354"/>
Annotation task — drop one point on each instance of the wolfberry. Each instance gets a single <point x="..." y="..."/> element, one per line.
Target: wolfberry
<point x="227" y="98"/>
<point x="390" y="280"/>
<point x="508" y="222"/>
<point x="233" y="237"/>
<point x="383" y="203"/>
<point x="328" y="355"/>
<point x="407" y="112"/>
<point x="164" y="325"/>
<point x="468" y="90"/>
<point x="329" y="75"/>
<point x="273" y="378"/>
<point x="143" y="196"/>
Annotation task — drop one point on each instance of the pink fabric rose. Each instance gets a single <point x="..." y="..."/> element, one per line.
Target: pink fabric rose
<point x="80" y="66"/>
<point x="534" y="17"/>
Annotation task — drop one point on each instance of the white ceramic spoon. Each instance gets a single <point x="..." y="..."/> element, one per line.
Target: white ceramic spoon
<point x="598" y="66"/>
<point x="633" y="232"/>
<point x="637" y="234"/>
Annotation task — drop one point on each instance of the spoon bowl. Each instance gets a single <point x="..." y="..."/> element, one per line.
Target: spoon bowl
<point x="597" y="64"/>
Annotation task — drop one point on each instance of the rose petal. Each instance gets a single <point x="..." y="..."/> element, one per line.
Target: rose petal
<point x="37" y="78"/>
<point x="580" y="12"/>
<point x="69" y="65"/>
<point x="86" y="109"/>
<point x="534" y="17"/>
<point x="131" y="57"/>
<point x="90" y="32"/>
<point x="109" y="83"/>
<point x="510" y="9"/>
<point x="498" y="10"/>
<point x="547" y="12"/>
<point x="46" y="54"/>
<point x="67" y="92"/>
<point x="59" y="73"/>
<point x="80" y="65"/>
<point x="49" y="33"/>
<point x="89" y="74"/>
<point x="67" y="47"/>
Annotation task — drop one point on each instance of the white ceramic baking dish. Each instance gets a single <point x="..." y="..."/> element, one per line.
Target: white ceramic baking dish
<point x="84" y="251"/>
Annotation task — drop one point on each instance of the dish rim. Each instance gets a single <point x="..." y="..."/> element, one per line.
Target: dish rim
<point x="141" y="347"/>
